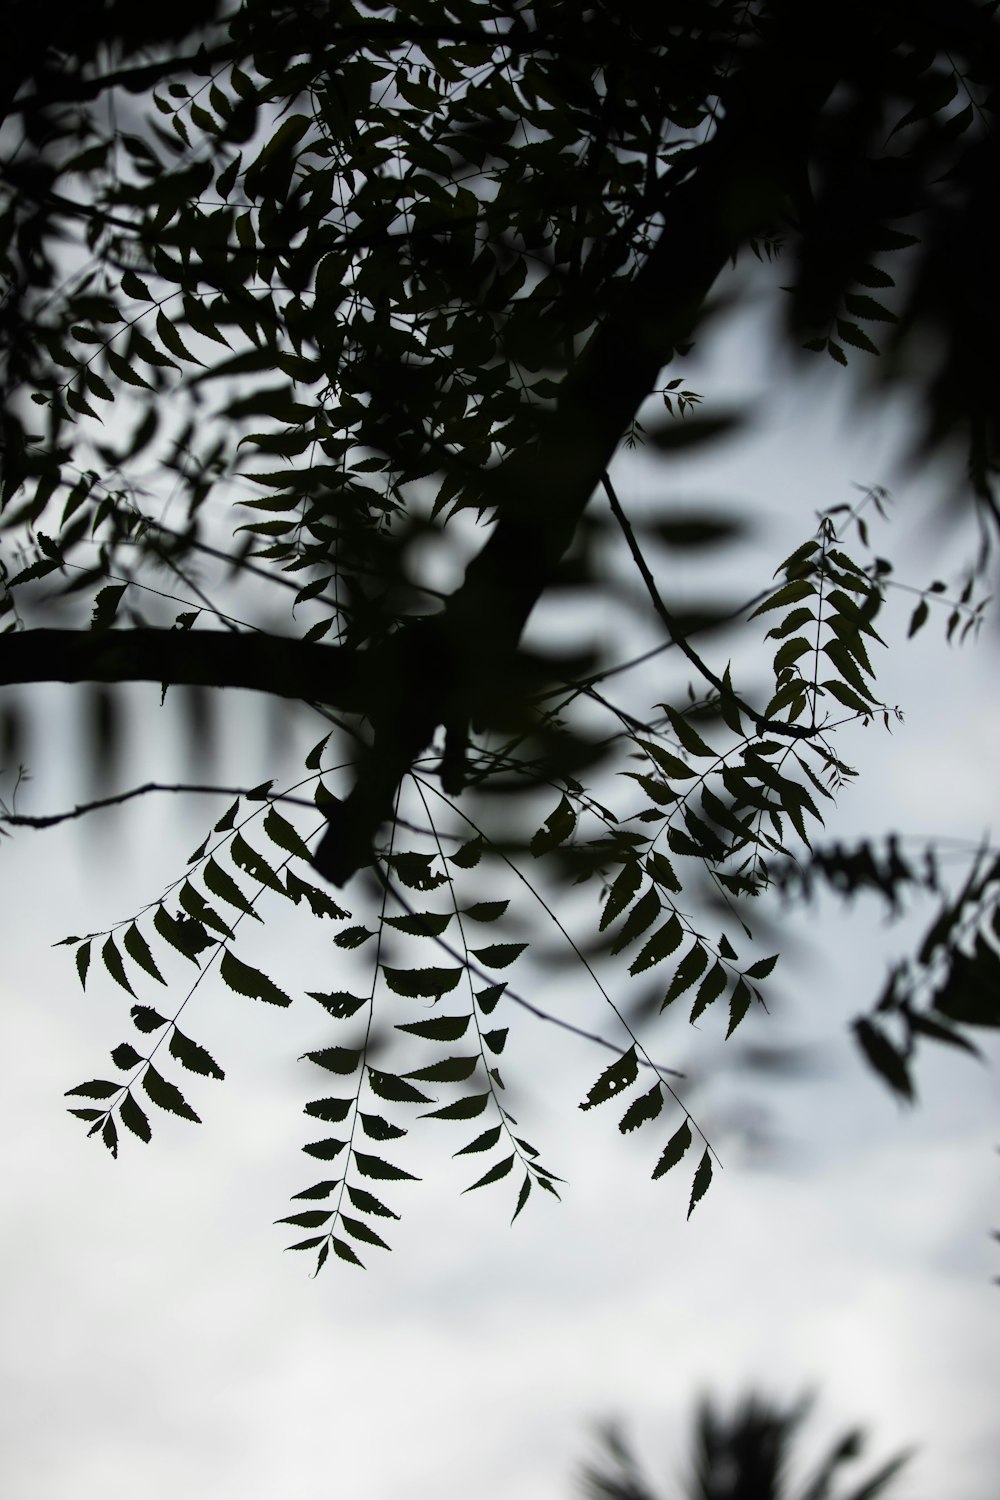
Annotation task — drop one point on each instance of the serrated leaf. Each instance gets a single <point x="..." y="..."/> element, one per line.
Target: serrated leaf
<point x="309" y="1218"/>
<point x="686" y="733"/>
<point x="172" y="340"/>
<point x="673" y="1150"/>
<point x="739" y="1004"/>
<point x="194" y="903"/>
<point x="468" y="854"/>
<point x="688" y="970"/>
<point x="376" y="1167"/>
<point x="421" y="923"/>
<point x="659" y="868"/>
<point x="325" y="1150"/>
<point x="619" y="1076"/>
<point x="193" y="1056"/>
<point x="320" y="904"/>
<point x="109" y="1135"/>
<point x="87" y="1114"/>
<point x="340" y="1004"/>
<point x="145" y="1018"/>
<point x="789" y="593"/>
<point x="183" y="936"/>
<point x="281" y="832"/>
<point x="83" y="963"/>
<point x="712" y="986"/>
<point x="438" y="1028"/>
<point x="319" y="1189"/>
<point x="353" y="937"/>
<point x="138" y="949"/>
<point x="484" y="1142"/>
<point x="673" y="768"/>
<point x="449" y="1070"/>
<point x="522" y="1196"/>
<point x="113" y="963"/>
<point x="96" y="1088"/>
<point x="362" y="1231"/>
<point x="494" y="1174"/>
<point x="467" y="1108"/>
<point x="125" y="1056"/>
<point x="132" y="286"/>
<point x="310" y="1244"/>
<point x="366" y="1203"/>
<point x="228" y="819"/>
<point x="487" y="999"/>
<point x="341" y="1248"/>
<point x="496" y="1040"/>
<point x="255" y="865"/>
<point x="106" y="602"/>
<point x="335" y="1059"/>
<point x="702" y="1178"/>
<point x="557" y="828"/>
<point x="331" y="1111"/>
<point x="415" y="983"/>
<point x="623" y="888"/>
<point x="663" y="942"/>
<point x="167" y="1095"/>
<point x="762" y="968"/>
<point x="646" y="1107"/>
<point x="498" y="955"/>
<point x="485" y="911"/>
<point x="134" y="1118"/>
<point x="642" y="915"/>
<point x="390" y="1086"/>
<point x="378" y="1128"/>
<point x="250" y="982"/>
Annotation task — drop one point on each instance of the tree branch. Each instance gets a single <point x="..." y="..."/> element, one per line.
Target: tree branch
<point x="280" y="665"/>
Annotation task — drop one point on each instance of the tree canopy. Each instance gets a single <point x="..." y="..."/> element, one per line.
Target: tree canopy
<point x="295" y="294"/>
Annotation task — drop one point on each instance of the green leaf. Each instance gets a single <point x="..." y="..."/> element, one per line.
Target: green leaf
<point x="192" y="1056"/>
<point x="663" y="942"/>
<point x="167" y="1095"/>
<point x="619" y="1076"/>
<point x="250" y="982"/>
<point x="134" y="1118"/>
<point x="113" y="963"/>
<point x="138" y="949"/>
<point x="646" y="1107"/>
<point x="493" y="1175"/>
<point x="438" y="1028"/>
<point x="376" y="1167"/>
<point x="702" y="1178"/>
<point x="415" y="983"/>
<point x="673" y="1150"/>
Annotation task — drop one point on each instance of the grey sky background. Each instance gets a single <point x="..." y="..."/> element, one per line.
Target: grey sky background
<point x="155" y="1340"/>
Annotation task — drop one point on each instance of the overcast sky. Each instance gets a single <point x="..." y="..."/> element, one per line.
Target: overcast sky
<point x="155" y="1340"/>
